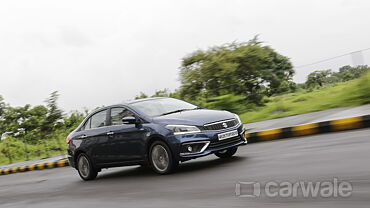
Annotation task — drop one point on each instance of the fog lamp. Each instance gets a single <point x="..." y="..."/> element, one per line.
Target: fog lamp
<point x="190" y="149"/>
<point x="193" y="147"/>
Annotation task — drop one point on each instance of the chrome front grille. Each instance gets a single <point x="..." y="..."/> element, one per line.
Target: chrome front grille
<point x="220" y="125"/>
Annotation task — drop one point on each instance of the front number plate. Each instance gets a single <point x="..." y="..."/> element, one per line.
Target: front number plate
<point x="227" y="135"/>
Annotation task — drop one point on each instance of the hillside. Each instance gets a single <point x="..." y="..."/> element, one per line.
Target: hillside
<point x="350" y="93"/>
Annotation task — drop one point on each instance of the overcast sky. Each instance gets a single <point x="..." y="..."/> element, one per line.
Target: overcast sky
<point x="102" y="52"/>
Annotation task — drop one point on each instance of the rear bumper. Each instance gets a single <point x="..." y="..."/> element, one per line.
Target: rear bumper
<point x="71" y="161"/>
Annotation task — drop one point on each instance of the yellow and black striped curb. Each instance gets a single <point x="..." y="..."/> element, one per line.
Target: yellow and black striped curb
<point x="309" y="129"/>
<point x="38" y="166"/>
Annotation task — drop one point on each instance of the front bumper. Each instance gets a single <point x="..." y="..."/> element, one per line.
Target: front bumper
<point x="215" y="144"/>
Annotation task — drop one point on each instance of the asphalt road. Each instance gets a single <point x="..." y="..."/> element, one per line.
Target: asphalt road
<point x="209" y="182"/>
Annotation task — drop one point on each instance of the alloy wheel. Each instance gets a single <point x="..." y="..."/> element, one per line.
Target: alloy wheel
<point x="83" y="166"/>
<point x="160" y="158"/>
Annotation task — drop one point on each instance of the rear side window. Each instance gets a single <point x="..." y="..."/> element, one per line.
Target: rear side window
<point x="98" y="119"/>
<point x="118" y="113"/>
<point x="87" y="125"/>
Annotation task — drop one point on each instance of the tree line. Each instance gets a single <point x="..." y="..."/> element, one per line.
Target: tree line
<point x="32" y="123"/>
<point x="320" y="78"/>
<point x="32" y="132"/>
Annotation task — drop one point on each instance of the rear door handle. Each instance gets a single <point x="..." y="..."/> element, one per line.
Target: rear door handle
<point x="82" y="137"/>
<point x="110" y="133"/>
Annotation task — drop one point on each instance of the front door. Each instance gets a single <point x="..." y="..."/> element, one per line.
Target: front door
<point x="126" y="140"/>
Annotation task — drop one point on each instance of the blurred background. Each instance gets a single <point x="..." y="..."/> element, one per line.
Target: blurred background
<point x="276" y="63"/>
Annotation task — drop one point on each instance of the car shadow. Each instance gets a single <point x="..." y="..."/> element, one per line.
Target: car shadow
<point x="188" y="167"/>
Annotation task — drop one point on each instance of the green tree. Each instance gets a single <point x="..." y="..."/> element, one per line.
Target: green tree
<point x="161" y="93"/>
<point x="2" y="111"/>
<point x="141" y="95"/>
<point x="54" y="115"/>
<point x="32" y="125"/>
<point x="2" y="105"/>
<point x="14" y="119"/>
<point x="247" y="69"/>
<point x="73" y="120"/>
<point x="318" y="78"/>
<point x="347" y="73"/>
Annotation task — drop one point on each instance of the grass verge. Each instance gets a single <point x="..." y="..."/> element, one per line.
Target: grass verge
<point x="13" y="150"/>
<point x="351" y="93"/>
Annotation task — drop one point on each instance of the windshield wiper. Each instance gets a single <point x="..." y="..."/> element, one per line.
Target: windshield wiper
<point x="176" y="111"/>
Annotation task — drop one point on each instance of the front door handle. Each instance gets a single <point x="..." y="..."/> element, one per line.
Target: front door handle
<point x="110" y="133"/>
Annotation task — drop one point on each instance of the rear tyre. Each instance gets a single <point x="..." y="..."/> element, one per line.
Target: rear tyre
<point x="161" y="159"/>
<point x="226" y="153"/>
<point x="85" y="168"/>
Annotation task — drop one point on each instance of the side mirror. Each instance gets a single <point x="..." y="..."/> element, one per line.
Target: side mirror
<point x="129" y="120"/>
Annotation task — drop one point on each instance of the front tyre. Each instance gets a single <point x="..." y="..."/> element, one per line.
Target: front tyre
<point x="85" y="168"/>
<point x="161" y="159"/>
<point x="226" y="153"/>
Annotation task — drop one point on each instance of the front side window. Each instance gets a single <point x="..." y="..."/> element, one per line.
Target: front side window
<point x="98" y="119"/>
<point x="118" y="113"/>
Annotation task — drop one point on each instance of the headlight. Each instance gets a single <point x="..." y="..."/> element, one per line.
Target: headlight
<point x="182" y="129"/>
<point x="238" y="118"/>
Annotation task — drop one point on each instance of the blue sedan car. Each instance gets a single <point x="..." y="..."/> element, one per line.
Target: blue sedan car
<point x="158" y="132"/>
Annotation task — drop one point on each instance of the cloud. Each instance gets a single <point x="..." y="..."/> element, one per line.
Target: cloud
<point x="74" y="37"/>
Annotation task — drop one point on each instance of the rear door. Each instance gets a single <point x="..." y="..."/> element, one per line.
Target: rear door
<point x="98" y="137"/>
<point x="126" y="140"/>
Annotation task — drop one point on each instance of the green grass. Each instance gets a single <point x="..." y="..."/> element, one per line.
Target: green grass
<point x="13" y="150"/>
<point x="351" y="93"/>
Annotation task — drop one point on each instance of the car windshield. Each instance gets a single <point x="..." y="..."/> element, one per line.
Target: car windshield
<point x="163" y="106"/>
